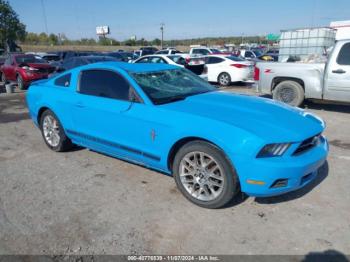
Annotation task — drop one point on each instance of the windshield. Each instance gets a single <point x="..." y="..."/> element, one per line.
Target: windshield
<point x="29" y="59"/>
<point x="171" y="85"/>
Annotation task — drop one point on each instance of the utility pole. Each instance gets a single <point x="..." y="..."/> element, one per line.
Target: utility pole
<point x="45" y="18"/>
<point x="162" y="30"/>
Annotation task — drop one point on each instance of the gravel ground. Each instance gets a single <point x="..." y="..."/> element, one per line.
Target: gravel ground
<point x="82" y="202"/>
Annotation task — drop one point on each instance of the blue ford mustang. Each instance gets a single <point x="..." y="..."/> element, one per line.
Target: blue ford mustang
<point x="214" y="143"/>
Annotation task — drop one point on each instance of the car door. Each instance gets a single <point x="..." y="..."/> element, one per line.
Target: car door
<point x="103" y="115"/>
<point x="215" y="67"/>
<point x="337" y="78"/>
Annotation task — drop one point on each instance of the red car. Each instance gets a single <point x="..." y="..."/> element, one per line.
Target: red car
<point x="23" y="69"/>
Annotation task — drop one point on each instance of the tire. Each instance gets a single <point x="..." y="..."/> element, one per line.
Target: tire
<point x="224" y="79"/>
<point x="58" y="141"/>
<point x="203" y="190"/>
<point x="289" y="92"/>
<point x="20" y="83"/>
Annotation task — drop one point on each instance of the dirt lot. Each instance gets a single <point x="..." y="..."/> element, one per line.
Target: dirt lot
<point x="82" y="202"/>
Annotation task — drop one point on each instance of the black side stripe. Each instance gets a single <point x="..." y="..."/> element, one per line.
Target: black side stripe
<point x="112" y="144"/>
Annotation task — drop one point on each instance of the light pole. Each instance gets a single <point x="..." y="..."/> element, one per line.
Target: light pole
<point x="162" y="30"/>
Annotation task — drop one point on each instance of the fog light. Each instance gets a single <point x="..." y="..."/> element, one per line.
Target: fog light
<point x="255" y="182"/>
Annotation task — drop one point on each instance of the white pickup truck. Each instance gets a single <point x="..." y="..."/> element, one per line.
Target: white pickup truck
<point x="293" y="82"/>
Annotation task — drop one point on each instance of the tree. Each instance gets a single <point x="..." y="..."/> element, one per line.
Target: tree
<point x="156" y="41"/>
<point x="53" y="39"/>
<point x="11" y="28"/>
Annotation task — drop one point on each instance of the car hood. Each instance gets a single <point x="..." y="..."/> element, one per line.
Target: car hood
<point x="270" y="120"/>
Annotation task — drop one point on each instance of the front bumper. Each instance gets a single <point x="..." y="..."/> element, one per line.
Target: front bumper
<point x="258" y="177"/>
<point x="30" y="77"/>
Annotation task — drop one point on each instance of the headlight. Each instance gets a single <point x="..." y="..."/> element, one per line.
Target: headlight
<point x="272" y="150"/>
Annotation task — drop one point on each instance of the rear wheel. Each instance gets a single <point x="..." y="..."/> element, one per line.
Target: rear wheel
<point x="53" y="132"/>
<point x="224" y="79"/>
<point x="289" y="92"/>
<point x="204" y="175"/>
<point x="20" y="82"/>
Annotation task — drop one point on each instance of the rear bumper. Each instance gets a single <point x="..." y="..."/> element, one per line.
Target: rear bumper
<point x="258" y="177"/>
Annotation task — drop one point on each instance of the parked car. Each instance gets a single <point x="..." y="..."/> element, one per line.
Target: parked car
<point x="23" y="69"/>
<point x="148" y="50"/>
<point x="50" y="57"/>
<point x="76" y="61"/>
<point x="168" y="52"/>
<point x="255" y="55"/>
<point x="203" y="51"/>
<point x="122" y="56"/>
<point x="227" y="69"/>
<point x="214" y="143"/>
<point x="273" y="53"/>
<point x="292" y="83"/>
<point x="196" y="65"/>
<point x="68" y="54"/>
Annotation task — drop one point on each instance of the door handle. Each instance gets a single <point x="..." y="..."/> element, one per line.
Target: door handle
<point x="80" y="104"/>
<point x="339" y="71"/>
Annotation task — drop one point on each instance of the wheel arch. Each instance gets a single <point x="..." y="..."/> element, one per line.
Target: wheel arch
<point x="181" y="142"/>
<point x="40" y="113"/>
<point x="280" y="79"/>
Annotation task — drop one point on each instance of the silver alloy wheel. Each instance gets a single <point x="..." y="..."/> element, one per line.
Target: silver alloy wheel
<point x="224" y="79"/>
<point x="51" y="131"/>
<point x="287" y="95"/>
<point x="201" y="176"/>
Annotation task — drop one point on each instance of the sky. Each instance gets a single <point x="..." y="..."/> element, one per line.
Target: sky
<point x="182" y="18"/>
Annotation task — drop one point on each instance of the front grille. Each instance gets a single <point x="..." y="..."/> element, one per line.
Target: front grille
<point x="307" y="144"/>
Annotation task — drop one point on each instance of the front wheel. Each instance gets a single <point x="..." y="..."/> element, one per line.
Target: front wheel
<point x="289" y="92"/>
<point x="20" y="83"/>
<point x="204" y="175"/>
<point x="53" y="132"/>
<point x="224" y="79"/>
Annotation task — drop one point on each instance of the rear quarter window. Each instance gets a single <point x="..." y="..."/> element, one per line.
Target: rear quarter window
<point x="63" y="80"/>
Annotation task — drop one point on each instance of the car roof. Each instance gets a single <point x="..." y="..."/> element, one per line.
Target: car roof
<point x="131" y="67"/>
<point x="160" y="55"/>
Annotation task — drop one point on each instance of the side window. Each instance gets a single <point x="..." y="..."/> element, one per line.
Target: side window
<point x="143" y="60"/>
<point x="344" y="55"/>
<point x="204" y="51"/>
<point x="104" y="83"/>
<point x="248" y="54"/>
<point x="63" y="80"/>
<point x="158" y="60"/>
<point x="215" y="60"/>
